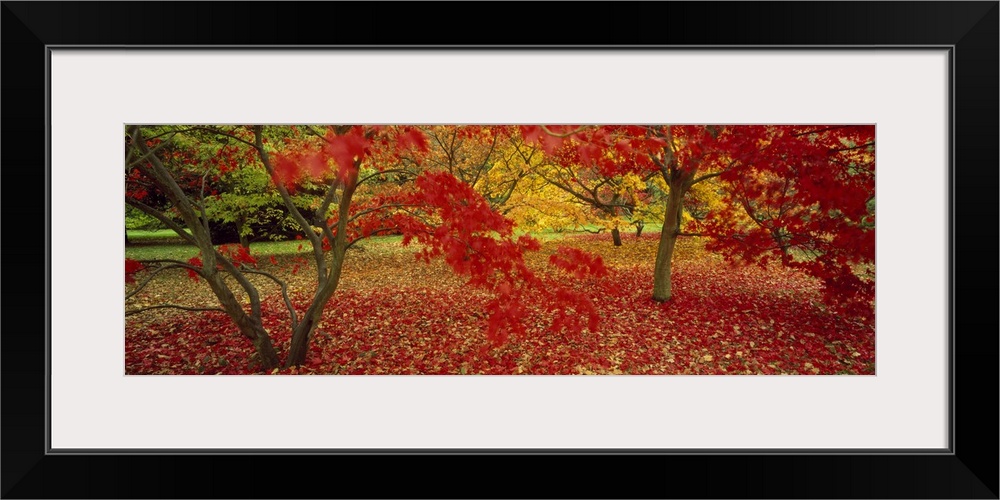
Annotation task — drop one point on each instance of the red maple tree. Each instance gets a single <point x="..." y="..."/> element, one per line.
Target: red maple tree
<point x="802" y="195"/>
<point x="434" y="209"/>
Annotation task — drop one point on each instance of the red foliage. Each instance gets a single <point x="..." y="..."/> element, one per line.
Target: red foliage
<point x="311" y="157"/>
<point x="804" y="190"/>
<point x="132" y="267"/>
<point x="578" y="262"/>
<point x="345" y="150"/>
<point x="478" y="242"/>
<point x="286" y="170"/>
<point x="722" y="320"/>
<point x="410" y="138"/>
<point x="196" y="262"/>
<point x="238" y="255"/>
<point x="788" y="190"/>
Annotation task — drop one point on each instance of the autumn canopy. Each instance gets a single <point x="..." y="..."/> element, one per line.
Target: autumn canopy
<point x="529" y="221"/>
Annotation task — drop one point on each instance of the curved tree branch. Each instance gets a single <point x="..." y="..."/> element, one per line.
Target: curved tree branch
<point x="218" y="131"/>
<point x="162" y="218"/>
<point x="155" y="272"/>
<point x="566" y="134"/>
<point x="314" y="238"/>
<point x="172" y="306"/>
<point x="383" y="172"/>
<point x="284" y="294"/>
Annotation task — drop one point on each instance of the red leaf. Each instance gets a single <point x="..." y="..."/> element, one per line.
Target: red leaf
<point x="194" y="261"/>
<point x="347" y="149"/>
<point x="413" y="138"/>
<point x="286" y="170"/>
<point x="132" y="267"/>
<point x="531" y="133"/>
<point x="315" y="165"/>
<point x="578" y="262"/>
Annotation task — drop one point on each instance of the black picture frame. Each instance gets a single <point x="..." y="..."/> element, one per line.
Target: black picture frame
<point x="969" y="470"/>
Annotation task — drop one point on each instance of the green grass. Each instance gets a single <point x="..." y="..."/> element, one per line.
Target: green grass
<point x="161" y="251"/>
<point x="165" y="244"/>
<point x="183" y="251"/>
<point x="139" y="235"/>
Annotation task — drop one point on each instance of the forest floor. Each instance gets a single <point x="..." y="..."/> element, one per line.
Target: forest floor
<point x="392" y="314"/>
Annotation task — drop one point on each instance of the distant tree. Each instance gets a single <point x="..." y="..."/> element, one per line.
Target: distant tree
<point x="799" y="195"/>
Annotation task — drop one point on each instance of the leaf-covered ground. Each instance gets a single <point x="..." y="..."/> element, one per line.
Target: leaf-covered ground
<point x="394" y="315"/>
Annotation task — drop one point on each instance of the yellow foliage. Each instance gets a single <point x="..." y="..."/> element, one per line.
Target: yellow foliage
<point x="631" y="184"/>
<point x="704" y="197"/>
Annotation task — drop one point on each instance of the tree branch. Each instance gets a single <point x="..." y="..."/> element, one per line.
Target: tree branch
<point x="162" y="218"/>
<point x="819" y="130"/>
<point x="320" y="216"/>
<point x="172" y="132"/>
<point x="593" y="201"/>
<point x="201" y="205"/>
<point x="219" y="131"/>
<point x="244" y="283"/>
<point x="172" y="306"/>
<point x="837" y="150"/>
<point x="314" y="238"/>
<point x="158" y="270"/>
<point x="382" y="207"/>
<point x="714" y="174"/>
<point x="145" y="156"/>
<point x="482" y="166"/>
<point x="567" y="134"/>
<point x="316" y="133"/>
<point x="284" y="294"/>
<point x="705" y="177"/>
<point x="383" y="172"/>
<point x="173" y="191"/>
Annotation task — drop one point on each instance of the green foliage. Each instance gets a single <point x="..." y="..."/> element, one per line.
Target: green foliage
<point x="136" y="219"/>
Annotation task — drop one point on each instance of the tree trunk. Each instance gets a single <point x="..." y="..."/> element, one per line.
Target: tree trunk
<point x="240" y="222"/>
<point x="302" y="334"/>
<point x="616" y="236"/>
<point x="662" y="269"/>
<point x="638" y="229"/>
<point x="665" y="250"/>
<point x="300" y="341"/>
<point x="251" y="329"/>
<point x="265" y="349"/>
<point x="249" y="326"/>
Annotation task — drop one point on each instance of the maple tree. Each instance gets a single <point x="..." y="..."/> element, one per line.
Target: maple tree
<point x="802" y="195"/>
<point x="433" y="208"/>
<point x="612" y="200"/>
<point x="797" y="196"/>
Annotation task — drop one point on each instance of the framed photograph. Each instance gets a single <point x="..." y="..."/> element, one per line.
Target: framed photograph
<point x="90" y="412"/>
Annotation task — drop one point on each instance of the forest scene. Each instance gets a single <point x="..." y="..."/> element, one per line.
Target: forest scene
<point x="320" y="249"/>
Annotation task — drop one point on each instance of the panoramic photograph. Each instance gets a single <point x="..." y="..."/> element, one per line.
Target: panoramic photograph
<point x="409" y="249"/>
